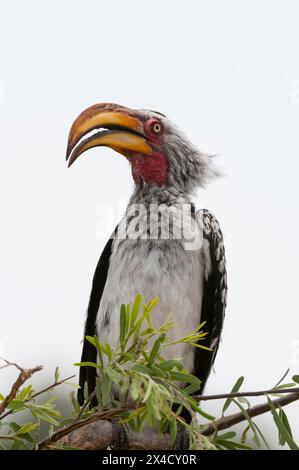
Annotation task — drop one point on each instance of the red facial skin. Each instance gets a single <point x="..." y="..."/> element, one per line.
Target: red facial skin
<point x="151" y="168"/>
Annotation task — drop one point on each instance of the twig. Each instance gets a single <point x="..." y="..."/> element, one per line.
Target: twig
<point x="228" y="421"/>
<point x="47" y="389"/>
<point x="44" y="390"/>
<point x="86" y="405"/>
<point x="9" y="364"/>
<point x="272" y="391"/>
<point x="24" y="375"/>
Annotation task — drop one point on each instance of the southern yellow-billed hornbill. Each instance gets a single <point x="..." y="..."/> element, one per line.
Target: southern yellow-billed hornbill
<point x="189" y="279"/>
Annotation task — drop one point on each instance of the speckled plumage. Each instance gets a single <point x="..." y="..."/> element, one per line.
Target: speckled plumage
<point x="154" y="268"/>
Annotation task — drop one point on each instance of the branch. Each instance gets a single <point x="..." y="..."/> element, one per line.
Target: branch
<point x="50" y="387"/>
<point x="44" y="390"/>
<point x="271" y="391"/>
<point x="100" y="435"/>
<point x="24" y="375"/>
<point x="57" y="437"/>
<point x="9" y="364"/>
<point x="97" y="431"/>
<point x="228" y="421"/>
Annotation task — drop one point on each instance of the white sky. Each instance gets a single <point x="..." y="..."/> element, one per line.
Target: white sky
<point x="228" y="74"/>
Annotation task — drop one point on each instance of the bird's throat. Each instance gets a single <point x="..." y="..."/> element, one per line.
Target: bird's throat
<point x="149" y="168"/>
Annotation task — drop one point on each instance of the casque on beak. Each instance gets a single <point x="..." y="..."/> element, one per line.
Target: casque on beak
<point x="117" y="129"/>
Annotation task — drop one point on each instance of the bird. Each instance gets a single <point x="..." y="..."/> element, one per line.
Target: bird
<point x="189" y="279"/>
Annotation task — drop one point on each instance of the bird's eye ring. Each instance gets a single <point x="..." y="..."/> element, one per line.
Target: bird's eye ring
<point x="156" y="128"/>
<point x="153" y="128"/>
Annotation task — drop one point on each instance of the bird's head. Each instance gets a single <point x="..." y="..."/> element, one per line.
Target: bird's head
<point x="158" y="152"/>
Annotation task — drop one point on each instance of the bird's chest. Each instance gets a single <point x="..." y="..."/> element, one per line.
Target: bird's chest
<point x="154" y="268"/>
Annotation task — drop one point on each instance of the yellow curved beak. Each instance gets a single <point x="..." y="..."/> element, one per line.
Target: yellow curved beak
<point x="117" y="129"/>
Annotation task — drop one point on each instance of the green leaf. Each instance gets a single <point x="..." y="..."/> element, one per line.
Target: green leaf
<point x="147" y="395"/>
<point x="18" y="444"/>
<point x="2" y="398"/>
<point x="135" y="309"/>
<point x="295" y="378"/>
<point x="105" y="390"/>
<point x="45" y="413"/>
<point x="152" y="304"/>
<point x="192" y="388"/>
<point x="157" y="371"/>
<point x="184" y="377"/>
<point x="155" y="349"/>
<point x="63" y="422"/>
<point x="244" y="435"/>
<point x="14" y="426"/>
<point x="16" y="405"/>
<point x="282" y="378"/>
<point x="261" y="435"/>
<point x="100" y="350"/>
<point x="235" y="389"/>
<point x="171" y="364"/>
<point x="98" y="392"/>
<point x="41" y="414"/>
<point x="288" y="385"/>
<point x="250" y="423"/>
<point x="128" y="317"/>
<point x="227" y="435"/>
<point x="26" y="428"/>
<point x="56" y="374"/>
<point x="147" y="331"/>
<point x="205" y="415"/>
<point x="230" y="445"/>
<point x="285" y="421"/>
<point x="200" y="346"/>
<point x="86" y="364"/>
<point x="245" y="401"/>
<point x="173" y="430"/>
<point x="99" y="347"/>
<point x="109" y="351"/>
<point x="91" y="340"/>
<point x="135" y="388"/>
<point x="143" y="369"/>
<point x="283" y="431"/>
<point x="25" y="392"/>
<point x="123" y="327"/>
<point x="75" y="403"/>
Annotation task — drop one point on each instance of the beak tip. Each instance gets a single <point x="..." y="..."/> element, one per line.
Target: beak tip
<point x="68" y="151"/>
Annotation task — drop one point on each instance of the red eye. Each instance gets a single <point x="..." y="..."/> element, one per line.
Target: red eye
<point x="154" y="127"/>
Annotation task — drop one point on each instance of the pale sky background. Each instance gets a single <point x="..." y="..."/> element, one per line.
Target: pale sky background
<point x="227" y="73"/>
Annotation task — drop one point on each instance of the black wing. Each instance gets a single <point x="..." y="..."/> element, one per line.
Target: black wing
<point x="214" y="296"/>
<point x="89" y="354"/>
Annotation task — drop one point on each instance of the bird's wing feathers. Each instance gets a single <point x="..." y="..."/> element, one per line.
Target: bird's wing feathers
<point x="88" y="374"/>
<point x="214" y="295"/>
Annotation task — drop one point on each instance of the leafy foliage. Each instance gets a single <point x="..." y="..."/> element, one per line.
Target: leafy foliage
<point x="151" y="390"/>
